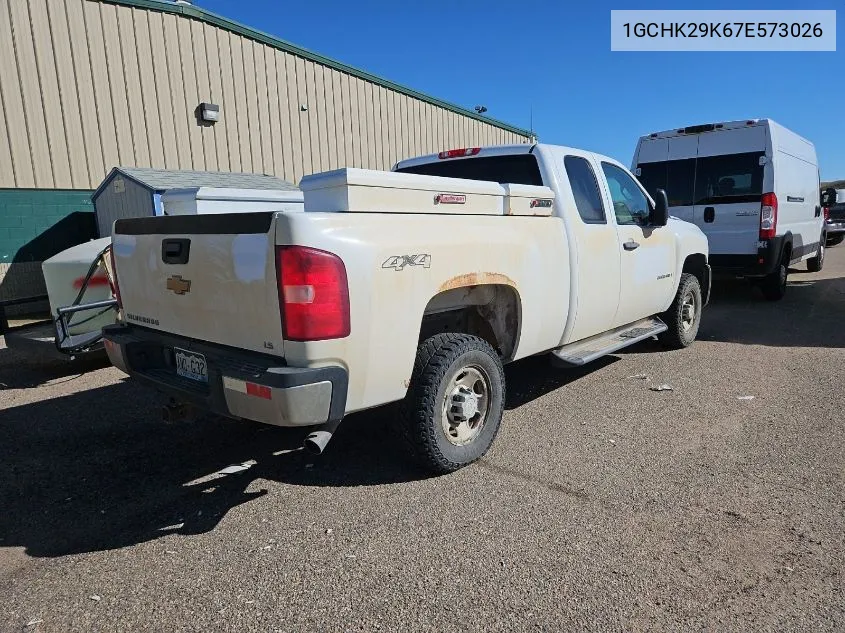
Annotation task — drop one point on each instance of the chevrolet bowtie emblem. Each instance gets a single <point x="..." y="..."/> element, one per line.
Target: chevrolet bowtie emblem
<point x="178" y="285"/>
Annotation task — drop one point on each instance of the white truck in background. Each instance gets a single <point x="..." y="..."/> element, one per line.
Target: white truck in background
<point x="414" y="285"/>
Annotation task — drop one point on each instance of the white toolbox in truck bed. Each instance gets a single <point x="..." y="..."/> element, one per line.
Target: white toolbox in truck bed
<point x="351" y="190"/>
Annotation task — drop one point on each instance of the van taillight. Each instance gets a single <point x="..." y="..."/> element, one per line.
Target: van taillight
<point x="826" y="213"/>
<point x="768" y="216"/>
<point x="114" y="287"/>
<point x="313" y="294"/>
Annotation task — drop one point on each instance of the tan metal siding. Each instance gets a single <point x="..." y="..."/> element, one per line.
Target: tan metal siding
<point x="7" y="170"/>
<point x="73" y="118"/>
<point x="230" y="108"/>
<point x="48" y="83"/>
<point x="308" y="95"/>
<point x="323" y="131"/>
<point x="290" y="139"/>
<point x="176" y="85"/>
<point x="14" y="115"/>
<point x="148" y="87"/>
<point x="274" y="112"/>
<point x="117" y="84"/>
<point x="132" y="81"/>
<point x="158" y="102"/>
<point x="302" y="116"/>
<point x="24" y="54"/>
<point x="330" y="120"/>
<point x="215" y="95"/>
<point x="109" y="84"/>
<point x="199" y="61"/>
<point x="355" y="119"/>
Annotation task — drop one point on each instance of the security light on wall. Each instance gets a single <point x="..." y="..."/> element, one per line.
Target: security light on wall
<point x="480" y="109"/>
<point x="209" y="112"/>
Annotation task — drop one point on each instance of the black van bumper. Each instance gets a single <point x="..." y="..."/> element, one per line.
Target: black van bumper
<point x="769" y="254"/>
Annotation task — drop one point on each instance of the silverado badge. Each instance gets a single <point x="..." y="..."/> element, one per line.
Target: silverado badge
<point x="178" y="285"/>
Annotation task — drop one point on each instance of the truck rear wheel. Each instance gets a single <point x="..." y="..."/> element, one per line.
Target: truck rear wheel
<point x="454" y="405"/>
<point x="684" y="315"/>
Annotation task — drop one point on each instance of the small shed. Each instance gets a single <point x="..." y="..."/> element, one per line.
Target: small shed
<point x="135" y="192"/>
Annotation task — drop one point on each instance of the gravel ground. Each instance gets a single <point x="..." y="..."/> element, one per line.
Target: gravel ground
<point x="603" y="505"/>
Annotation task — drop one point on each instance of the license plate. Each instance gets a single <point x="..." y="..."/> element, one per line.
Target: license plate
<point x="191" y="365"/>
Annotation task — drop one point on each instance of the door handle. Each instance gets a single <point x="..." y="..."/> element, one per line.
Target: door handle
<point x="175" y="250"/>
<point x="709" y="214"/>
<point x="630" y="245"/>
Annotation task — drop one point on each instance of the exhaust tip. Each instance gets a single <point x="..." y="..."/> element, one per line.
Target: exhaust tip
<point x="317" y="441"/>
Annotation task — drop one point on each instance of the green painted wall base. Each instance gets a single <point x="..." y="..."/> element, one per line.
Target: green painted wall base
<point x="35" y="224"/>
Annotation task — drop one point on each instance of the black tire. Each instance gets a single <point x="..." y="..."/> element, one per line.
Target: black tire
<point x="440" y="360"/>
<point x="835" y="240"/>
<point x="774" y="284"/>
<point x="815" y="264"/>
<point x="682" y="331"/>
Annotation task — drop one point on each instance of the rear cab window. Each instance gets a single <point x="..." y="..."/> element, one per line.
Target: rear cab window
<point x="585" y="190"/>
<point x="519" y="169"/>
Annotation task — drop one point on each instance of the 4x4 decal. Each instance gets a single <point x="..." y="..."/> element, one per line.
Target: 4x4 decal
<point x="398" y="262"/>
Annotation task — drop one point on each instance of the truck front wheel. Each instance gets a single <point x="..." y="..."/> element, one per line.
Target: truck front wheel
<point x="684" y="315"/>
<point x="455" y="402"/>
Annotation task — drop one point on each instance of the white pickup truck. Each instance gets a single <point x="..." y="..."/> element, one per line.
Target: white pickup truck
<point x="414" y="285"/>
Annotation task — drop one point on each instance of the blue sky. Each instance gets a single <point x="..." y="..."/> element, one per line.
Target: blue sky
<point x="554" y="56"/>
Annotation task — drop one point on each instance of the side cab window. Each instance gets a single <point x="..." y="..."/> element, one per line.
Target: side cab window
<point x="585" y="189"/>
<point x="629" y="202"/>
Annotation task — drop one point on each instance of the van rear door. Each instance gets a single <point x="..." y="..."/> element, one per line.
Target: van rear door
<point x="728" y="188"/>
<point x="669" y="164"/>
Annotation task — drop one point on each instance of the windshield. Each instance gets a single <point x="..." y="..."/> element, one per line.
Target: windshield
<point x="519" y="169"/>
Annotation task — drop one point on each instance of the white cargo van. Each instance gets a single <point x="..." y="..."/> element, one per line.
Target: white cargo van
<point x="751" y="186"/>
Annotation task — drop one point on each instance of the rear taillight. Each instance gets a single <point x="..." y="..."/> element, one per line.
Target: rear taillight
<point x="459" y="153"/>
<point x="826" y="213"/>
<point x="768" y="216"/>
<point x="114" y="287"/>
<point x="313" y="294"/>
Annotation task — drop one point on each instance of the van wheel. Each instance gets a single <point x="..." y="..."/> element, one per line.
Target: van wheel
<point x="684" y="315"/>
<point x="454" y="405"/>
<point x="815" y="264"/>
<point x="774" y="284"/>
<point x="835" y="240"/>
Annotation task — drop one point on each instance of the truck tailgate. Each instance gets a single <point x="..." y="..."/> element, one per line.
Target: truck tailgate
<point x="205" y="277"/>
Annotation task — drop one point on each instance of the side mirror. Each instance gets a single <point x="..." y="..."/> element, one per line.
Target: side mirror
<point x="660" y="213"/>
<point x="829" y="197"/>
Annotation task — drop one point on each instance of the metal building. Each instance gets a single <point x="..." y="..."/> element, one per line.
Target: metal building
<point x="86" y="85"/>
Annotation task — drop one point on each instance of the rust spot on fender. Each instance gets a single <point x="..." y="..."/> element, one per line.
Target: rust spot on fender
<point x="476" y="279"/>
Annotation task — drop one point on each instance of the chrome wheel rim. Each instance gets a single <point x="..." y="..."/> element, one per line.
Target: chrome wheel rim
<point x="466" y="405"/>
<point x="689" y="310"/>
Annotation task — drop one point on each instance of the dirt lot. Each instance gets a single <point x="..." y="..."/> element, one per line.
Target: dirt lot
<point x="603" y="505"/>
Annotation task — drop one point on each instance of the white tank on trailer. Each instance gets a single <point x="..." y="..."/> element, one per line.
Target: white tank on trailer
<point x="64" y="275"/>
